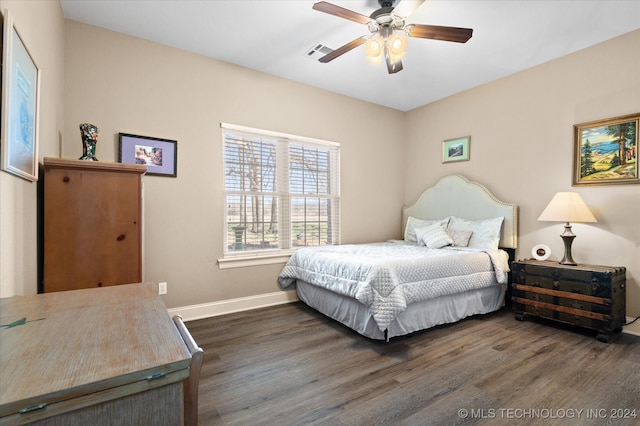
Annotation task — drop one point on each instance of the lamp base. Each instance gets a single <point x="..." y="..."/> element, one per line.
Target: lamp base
<point x="567" y="237"/>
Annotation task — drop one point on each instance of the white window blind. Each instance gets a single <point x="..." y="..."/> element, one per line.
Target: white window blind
<point x="282" y="191"/>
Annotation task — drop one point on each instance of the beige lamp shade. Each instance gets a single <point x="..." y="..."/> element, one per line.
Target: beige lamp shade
<point x="567" y="207"/>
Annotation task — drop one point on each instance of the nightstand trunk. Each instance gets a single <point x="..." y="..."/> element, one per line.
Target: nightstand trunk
<point x="588" y="296"/>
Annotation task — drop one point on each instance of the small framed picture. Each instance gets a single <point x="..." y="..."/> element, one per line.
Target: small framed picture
<point x="20" y="104"/>
<point x="159" y="155"/>
<point x="456" y="149"/>
<point x="606" y="151"/>
<point x="541" y="252"/>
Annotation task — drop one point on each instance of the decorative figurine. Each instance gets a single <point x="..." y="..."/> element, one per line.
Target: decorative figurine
<point x="89" y="134"/>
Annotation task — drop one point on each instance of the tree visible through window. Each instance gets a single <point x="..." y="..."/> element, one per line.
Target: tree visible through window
<point x="282" y="191"/>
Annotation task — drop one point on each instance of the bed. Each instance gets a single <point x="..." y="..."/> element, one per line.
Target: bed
<point x="453" y="262"/>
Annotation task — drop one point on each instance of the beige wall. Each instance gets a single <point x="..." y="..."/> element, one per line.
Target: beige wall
<point x="521" y="148"/>
<point x="124" y="84"/>
<point x="521" y="130"/>
<point x="41" y="27"/>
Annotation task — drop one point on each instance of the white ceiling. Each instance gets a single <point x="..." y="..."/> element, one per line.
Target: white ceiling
<point x="273" y="36"/>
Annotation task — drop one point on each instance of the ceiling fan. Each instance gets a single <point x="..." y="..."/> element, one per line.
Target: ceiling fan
<point x="388" y="30"/>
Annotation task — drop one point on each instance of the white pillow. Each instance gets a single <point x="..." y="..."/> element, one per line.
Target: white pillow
<point x="486" y="233"/>
<point x="460" y="238"/>
<point x="413" y="223"/>
<point x="433" y="236"/>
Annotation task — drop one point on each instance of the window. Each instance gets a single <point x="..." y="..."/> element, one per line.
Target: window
<point x="282" y="192"/>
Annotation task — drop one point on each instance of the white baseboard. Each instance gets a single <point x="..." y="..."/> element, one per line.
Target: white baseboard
<point x="206" y="310"/>
<point x="632" y="328"/>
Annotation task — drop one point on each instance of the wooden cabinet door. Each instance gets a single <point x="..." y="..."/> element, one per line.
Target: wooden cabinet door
<point x="92" y="225"/>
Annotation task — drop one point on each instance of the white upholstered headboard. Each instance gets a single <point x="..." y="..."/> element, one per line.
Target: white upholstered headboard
<point x="456" y="196"/>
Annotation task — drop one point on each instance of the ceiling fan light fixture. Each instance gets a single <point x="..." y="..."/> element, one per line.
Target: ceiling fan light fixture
<point x="394" y="59"/>
<point x="376" y="60"/>
<point x="373" y="47"/>
<point x="397" y="45"/>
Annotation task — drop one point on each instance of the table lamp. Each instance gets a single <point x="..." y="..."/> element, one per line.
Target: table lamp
<point x="567" y="207"/>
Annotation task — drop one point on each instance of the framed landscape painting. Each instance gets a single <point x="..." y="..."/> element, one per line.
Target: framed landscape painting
<point x="606" y="151"/>
<point x="456" y="149"/>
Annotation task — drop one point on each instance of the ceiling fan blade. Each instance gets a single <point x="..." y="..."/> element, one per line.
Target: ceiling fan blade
<point x="341" y="12"/>
<point x="459" y="35"/>
<point x="393" y="68"/>
<point x="407" y="7"/>
<point x="343" y="49"/>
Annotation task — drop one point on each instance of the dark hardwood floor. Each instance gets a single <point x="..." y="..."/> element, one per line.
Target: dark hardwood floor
<point x="289" y="365"/>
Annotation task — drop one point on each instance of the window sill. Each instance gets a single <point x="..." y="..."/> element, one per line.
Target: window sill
<point x="244" y="261"/>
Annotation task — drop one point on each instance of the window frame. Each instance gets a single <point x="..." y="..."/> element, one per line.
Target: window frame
<point x="233" y="259"/>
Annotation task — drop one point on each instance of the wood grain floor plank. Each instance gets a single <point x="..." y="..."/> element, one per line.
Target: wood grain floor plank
<point x="290" y="365"/>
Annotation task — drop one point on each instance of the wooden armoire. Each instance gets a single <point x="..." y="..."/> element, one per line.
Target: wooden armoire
<point x="92" y="230"/>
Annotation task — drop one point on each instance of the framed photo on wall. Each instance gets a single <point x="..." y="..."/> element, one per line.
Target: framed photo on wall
<point x="159" y="155"/>
<point x="20" y="104"/>
<point x="606" y="151"/>
<point x="456" y="149"/>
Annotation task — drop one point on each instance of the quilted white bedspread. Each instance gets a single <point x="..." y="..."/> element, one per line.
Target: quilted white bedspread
<point x="386" y="277"/>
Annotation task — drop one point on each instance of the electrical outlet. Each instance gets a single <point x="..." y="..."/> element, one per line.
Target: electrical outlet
<point x="162" y="288"/>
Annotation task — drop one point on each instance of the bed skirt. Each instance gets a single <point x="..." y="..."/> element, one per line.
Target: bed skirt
<point x="417" y="316"/>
